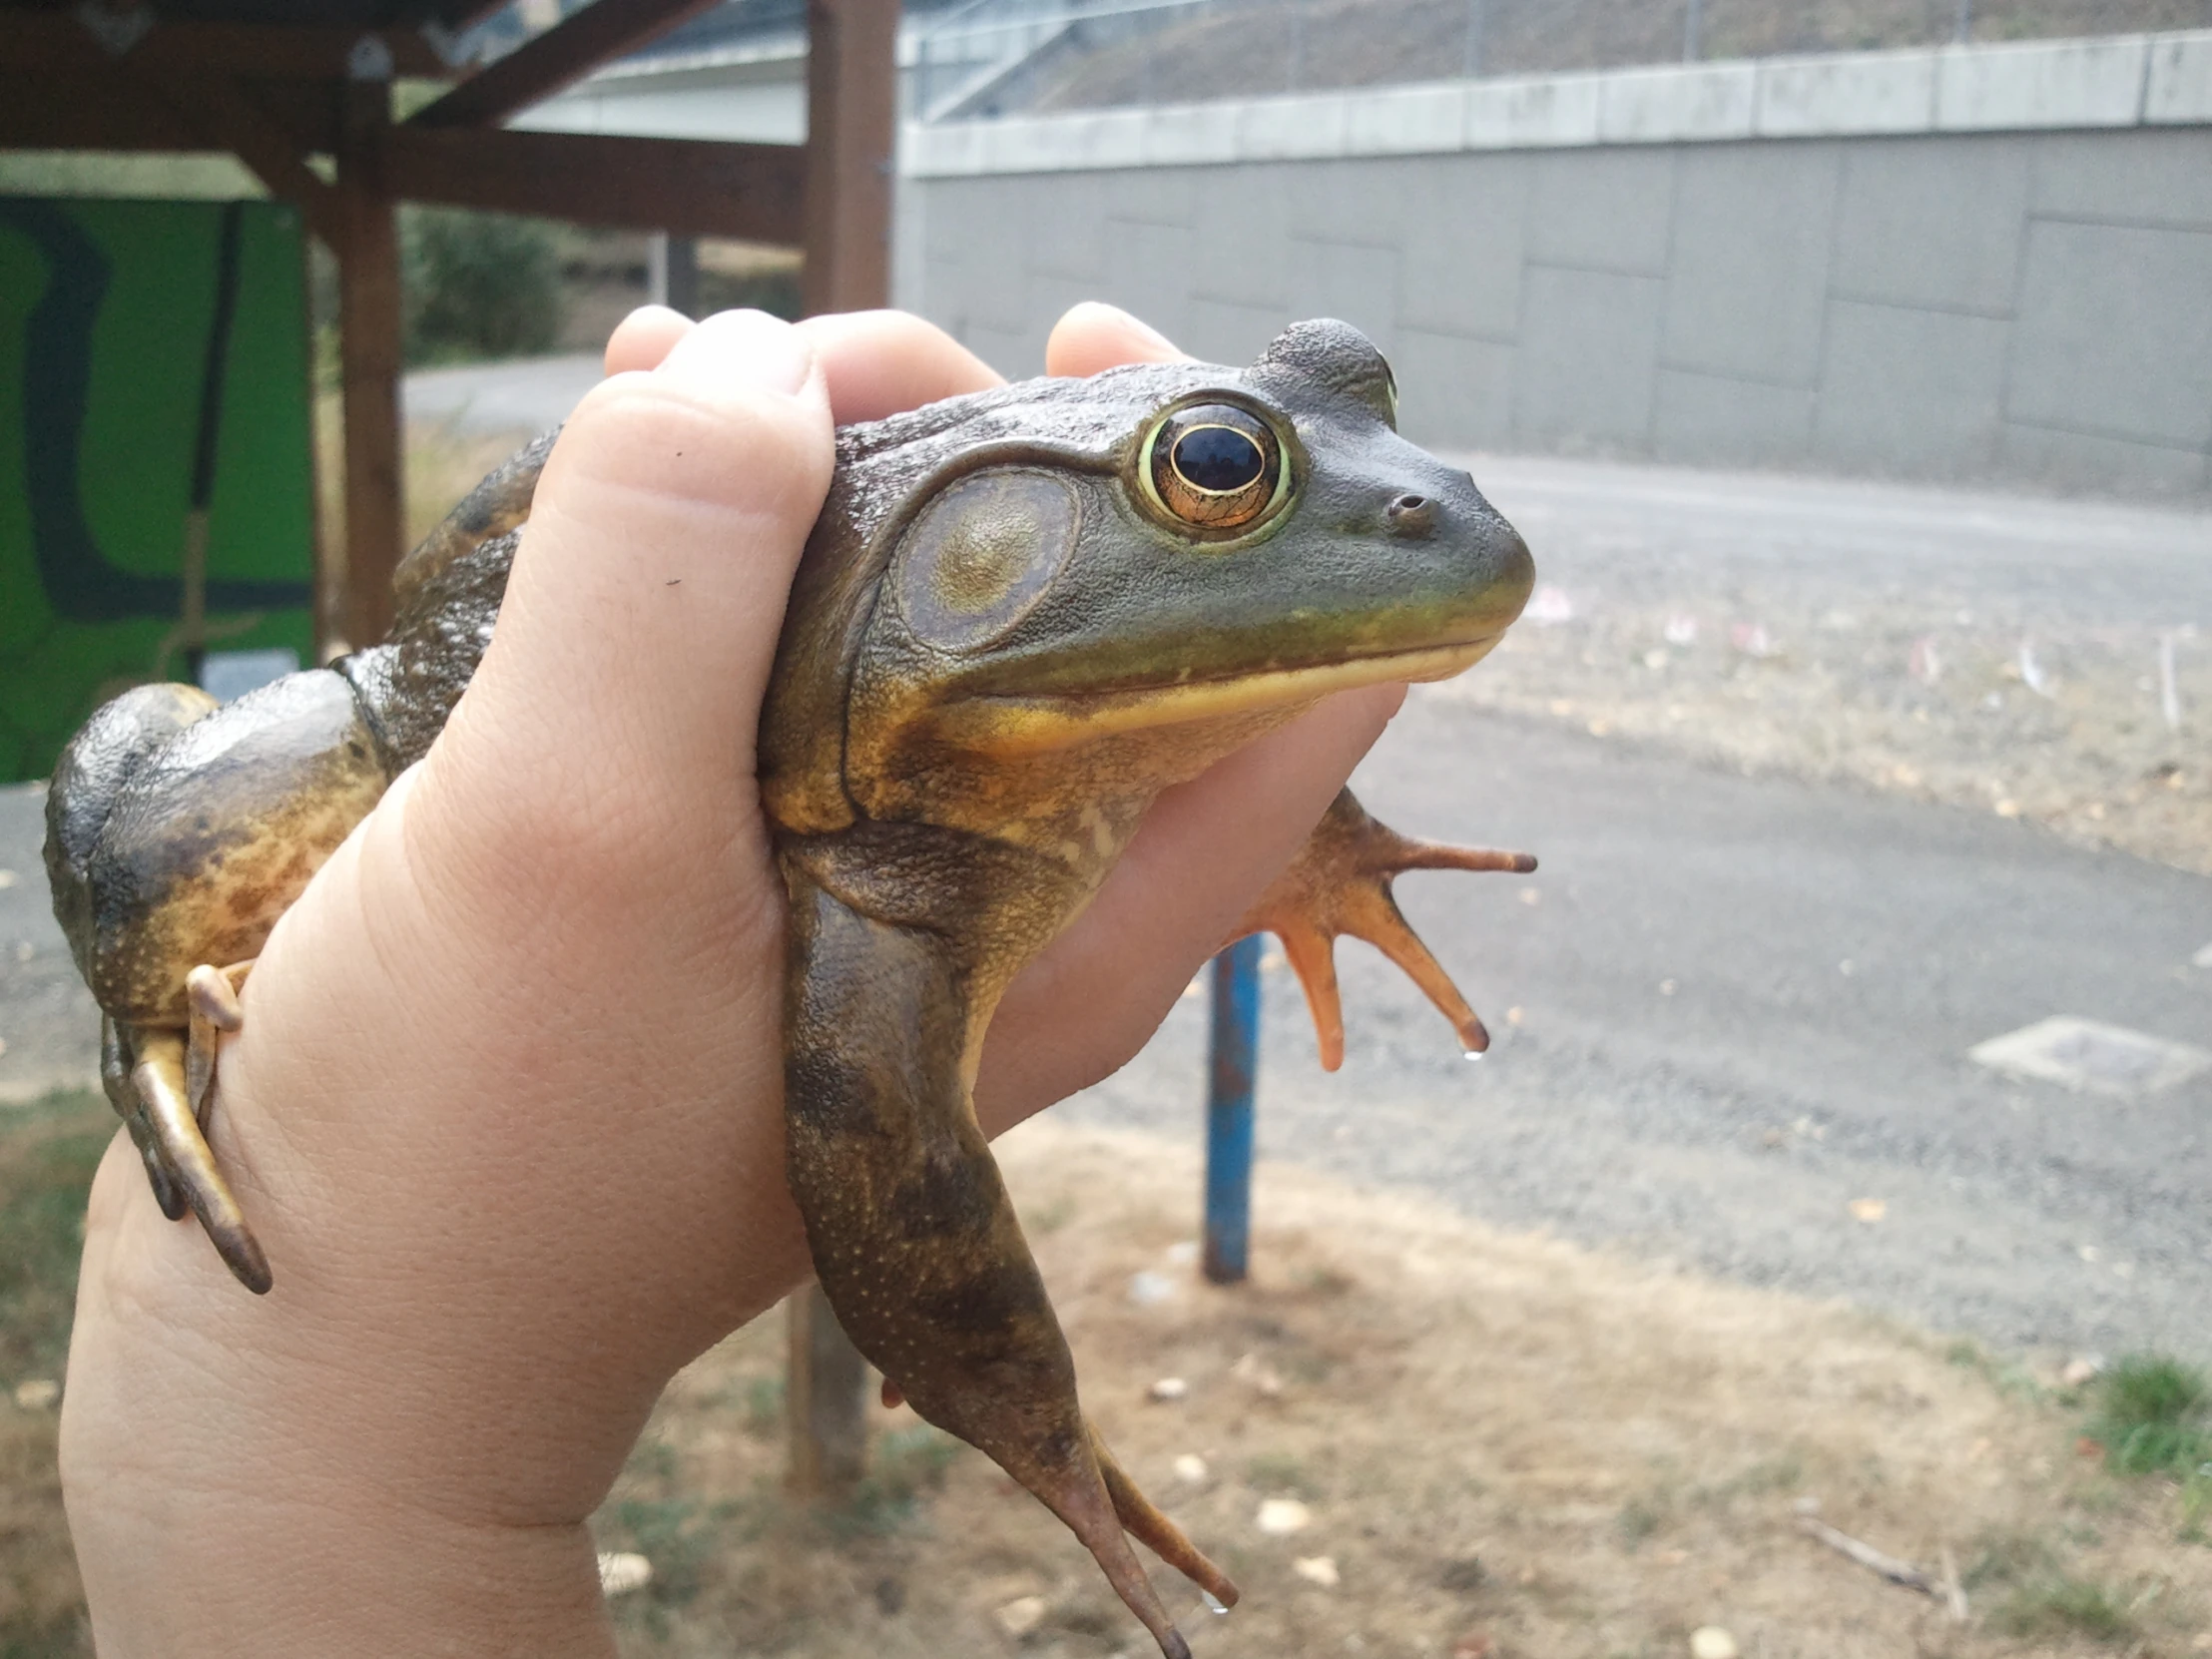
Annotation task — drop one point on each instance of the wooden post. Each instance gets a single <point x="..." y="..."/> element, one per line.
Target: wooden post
<point x="851" y="135"/>
<point x="851" y="128"/>
<point x="370" y="326"/>
<point x="826" y="1401"/>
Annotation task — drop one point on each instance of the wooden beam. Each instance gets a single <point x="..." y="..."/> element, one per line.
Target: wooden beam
<point x="216" y="109"/>
<point x="48" y="39"/>
<point x="544" y="64"/>
<point x="230" y="120"/>
<point x="852" y="132"/>
<point x="369" y="324"/>
<point x="75" y="110"/>
<point x="749" y="191"/>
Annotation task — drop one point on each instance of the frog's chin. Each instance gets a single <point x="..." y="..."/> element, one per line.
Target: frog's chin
<point x="1010" y="723"/>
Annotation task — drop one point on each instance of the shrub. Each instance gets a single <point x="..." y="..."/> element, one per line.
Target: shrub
<point x="478" y="284"/>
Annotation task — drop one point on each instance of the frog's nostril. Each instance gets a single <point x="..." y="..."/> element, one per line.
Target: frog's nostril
<point x="1413" y="515"/>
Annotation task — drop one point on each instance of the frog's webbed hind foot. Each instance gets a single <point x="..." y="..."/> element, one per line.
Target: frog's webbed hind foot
<point x="1339" y="883"/>
<point x="164" y="1098"/>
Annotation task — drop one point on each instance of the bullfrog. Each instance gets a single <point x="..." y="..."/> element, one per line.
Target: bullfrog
<point x="1021" y="614"/>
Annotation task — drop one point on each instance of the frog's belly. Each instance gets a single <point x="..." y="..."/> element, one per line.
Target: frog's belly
<point x="217" y="836"/>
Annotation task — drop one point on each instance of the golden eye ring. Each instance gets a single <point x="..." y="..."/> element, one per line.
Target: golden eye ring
<point x="1216" y="468"/>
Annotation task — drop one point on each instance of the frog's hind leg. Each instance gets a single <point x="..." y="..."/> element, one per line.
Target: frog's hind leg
<point x="912" y="1233"/>
<point x="163" y="1095"/>
<point x="115" y="1078"/>
<point x="1339" y="883"/>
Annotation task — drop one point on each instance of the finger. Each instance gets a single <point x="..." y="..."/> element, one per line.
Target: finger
<point x="1095" y="335"/>
<point x="645" y="337"/>
<point x="881" y="363"/>
<point x="1205" y="851"/>
<point x="641" y="618"/>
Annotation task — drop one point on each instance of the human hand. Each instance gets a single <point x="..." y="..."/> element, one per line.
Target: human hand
<point x="506" y="1108"/>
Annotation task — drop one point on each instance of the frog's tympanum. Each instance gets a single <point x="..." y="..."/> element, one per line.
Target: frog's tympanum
<point x="1020" y="616"/>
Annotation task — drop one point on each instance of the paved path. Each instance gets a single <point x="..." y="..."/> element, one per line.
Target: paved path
<point x="491" y="399"/>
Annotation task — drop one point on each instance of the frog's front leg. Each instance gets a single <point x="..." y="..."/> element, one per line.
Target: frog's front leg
<point x="1339" y="883"/>
<point x="914" y="1236"/>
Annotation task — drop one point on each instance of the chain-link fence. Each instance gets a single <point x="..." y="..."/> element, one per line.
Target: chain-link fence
<point x="1000" y="56"/>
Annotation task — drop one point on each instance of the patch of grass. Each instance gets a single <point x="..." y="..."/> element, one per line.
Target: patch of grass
<point x="763" y="1406"/>
<point x="46" y="1165"/>
<point x="906" y="1464"/>
<point x="2008" y="1558"/>
<point x="47" y="1155"/>
<point x="2196" y="1507"/>
<point x="2062" y="1605"/>
<point x="1282" y="1472"/>
<point x="1640" y="1518"/>
<point x="2154" y="1416"/>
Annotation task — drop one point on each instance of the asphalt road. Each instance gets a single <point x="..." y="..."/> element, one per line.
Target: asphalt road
<point x="1743" y="1004"/>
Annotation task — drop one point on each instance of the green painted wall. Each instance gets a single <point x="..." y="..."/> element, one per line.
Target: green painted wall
<point x="107" y="311"/>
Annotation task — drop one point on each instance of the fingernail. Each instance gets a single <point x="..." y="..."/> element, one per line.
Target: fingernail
<point x="750" y="347"/>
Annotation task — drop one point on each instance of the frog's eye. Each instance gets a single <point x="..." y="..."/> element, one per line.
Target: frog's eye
<point x="1214" y="466"/>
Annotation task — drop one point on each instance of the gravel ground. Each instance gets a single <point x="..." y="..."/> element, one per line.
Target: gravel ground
<point x="2040" y="659"/>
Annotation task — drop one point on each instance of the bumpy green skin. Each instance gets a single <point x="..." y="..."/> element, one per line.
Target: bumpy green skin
<point x="996" y="654"/>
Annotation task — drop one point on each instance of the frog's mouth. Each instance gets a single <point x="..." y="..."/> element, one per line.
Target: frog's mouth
<point x="1014" y="722"/>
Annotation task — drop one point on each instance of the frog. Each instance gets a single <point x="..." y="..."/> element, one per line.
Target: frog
<point x="1020" y="616"/>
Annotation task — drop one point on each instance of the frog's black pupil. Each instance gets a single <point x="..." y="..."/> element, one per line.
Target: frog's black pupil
<point x="1218" y="458"/>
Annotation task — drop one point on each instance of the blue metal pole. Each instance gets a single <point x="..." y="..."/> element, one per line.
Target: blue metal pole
<point x="1233" y="1062"/>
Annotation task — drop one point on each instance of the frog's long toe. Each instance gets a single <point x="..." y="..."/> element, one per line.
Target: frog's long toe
<point x="160" y="1078"/>
<point x="1341" y="883"/>
<point x="1155" y="1531"/>
<point x="123" y="1095"/>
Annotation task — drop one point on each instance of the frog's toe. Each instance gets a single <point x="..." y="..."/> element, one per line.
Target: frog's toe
<point x="167" y="1192"/>
<point x="212" y="996"/>
<point x="1156" y="1533"/>
<point x="160" y="1078"/>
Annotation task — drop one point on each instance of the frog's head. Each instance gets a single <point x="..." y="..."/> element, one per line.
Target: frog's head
<point x="1170" y="545"/>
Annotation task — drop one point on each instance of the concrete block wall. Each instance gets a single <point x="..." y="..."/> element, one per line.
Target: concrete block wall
<point x="2033" y="304"/>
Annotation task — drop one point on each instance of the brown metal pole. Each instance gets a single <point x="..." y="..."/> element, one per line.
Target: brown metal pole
<point x="369" y="324"/>
<point x="851" y="128"/>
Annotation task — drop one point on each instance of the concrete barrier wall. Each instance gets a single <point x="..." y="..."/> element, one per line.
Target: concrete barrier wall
<point x="1922" y="302"/>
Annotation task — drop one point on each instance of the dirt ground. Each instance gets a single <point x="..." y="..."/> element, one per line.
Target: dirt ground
<point x="1501" y="1445"/>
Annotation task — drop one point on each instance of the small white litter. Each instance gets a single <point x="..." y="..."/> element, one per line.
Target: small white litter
<point x="623" y="1571"/>
<point x="2090" y="1055"/>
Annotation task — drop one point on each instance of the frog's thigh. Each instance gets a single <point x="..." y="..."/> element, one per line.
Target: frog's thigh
<point x="160" y="1080"/>
<point x="1339" y="883"/>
